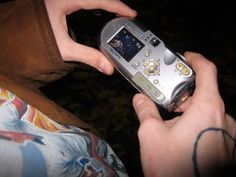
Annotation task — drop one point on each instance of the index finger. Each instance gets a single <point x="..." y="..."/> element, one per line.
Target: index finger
<point x="114" y="6"/>
<point x="206" y="76"/>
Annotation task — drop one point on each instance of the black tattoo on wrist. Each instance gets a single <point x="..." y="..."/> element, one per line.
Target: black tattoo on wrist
<point x="225" y="135"/>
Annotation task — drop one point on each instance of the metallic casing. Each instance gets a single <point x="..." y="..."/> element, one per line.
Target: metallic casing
<point x="173" y="79"/>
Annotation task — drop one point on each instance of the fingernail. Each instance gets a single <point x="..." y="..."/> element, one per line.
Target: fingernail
<point x="140" y="101"/>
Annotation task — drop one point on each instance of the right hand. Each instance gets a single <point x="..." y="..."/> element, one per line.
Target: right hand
<point x="200" y="140"/>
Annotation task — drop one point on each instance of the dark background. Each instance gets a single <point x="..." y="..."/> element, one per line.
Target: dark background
<point x="204" y="26"/>
<point x="207" y="27"/>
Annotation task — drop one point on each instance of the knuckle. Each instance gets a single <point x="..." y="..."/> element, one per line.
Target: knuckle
<point x="211" y="66"/>
<point x="147" y="124"/>
<point x="214" y="109"/>
<point x="192" y="55"/>
<point x="141" y="112"/>
<point x="144" y="111"/>
<point x="220" y="107"/>
<point x="91" y="60"/>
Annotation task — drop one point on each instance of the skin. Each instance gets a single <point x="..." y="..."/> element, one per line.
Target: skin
<point x="202" y="138"/>
<point x="71" y="50"/>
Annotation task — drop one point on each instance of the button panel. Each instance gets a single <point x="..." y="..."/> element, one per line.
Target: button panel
<point x="148" y="87"/>
<point x="183" y="69"/>
<point x="151" y="67"/>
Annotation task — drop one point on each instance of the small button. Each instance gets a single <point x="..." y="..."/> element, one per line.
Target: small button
<point x="152" y="68"/>
<point x="147" y="53"/>
<point x="180" y="66"/>
<point x="185" y="71"/>
<point x="158" y="95"/>
<point x="157" y="62"/>
<point x="146" y="71"/>
<point x="136" y="65"/>
<point x="154" y="42"/>
<point x="156" y="72"/>
<point x="156" y="81"/>
<point x="146" y="63"/>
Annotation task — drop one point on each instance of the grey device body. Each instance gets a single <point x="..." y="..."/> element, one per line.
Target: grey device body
<point x="144" y="60"/>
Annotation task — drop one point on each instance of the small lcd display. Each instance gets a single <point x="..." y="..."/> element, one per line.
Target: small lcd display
<point x="126" y="44"/>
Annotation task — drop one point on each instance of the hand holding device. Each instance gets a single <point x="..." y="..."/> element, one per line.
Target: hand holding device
<point x="200" y="142"/>
<point x="71" y="50"/>
<point x="146" y="62"/>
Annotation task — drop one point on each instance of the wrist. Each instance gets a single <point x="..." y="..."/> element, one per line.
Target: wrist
<point x="214" y="152"/>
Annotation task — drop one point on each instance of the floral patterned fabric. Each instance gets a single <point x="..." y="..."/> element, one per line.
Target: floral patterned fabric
<point x="33" y="145"/>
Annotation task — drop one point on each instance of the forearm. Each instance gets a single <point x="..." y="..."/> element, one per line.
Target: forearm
<point x="213" y="152"/>
<point x="200" y="152"/>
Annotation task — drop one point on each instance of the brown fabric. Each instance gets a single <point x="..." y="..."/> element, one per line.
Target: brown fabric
<point x="28" y="48"/>
<point x="29" y="57"/>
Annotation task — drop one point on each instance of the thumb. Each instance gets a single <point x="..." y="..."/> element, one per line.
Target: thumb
<point x="88" y="55"/>
<point x="145" y="108"/>
<point x="151" y="124"/>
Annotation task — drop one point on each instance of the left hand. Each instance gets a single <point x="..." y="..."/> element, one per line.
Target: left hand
<point x="69" y="49"/>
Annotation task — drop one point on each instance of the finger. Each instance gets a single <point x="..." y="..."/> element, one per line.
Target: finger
<point x="114" y="6"/>
<point x="145" y="108"/>
<point x="206" y="76"/>
<point x="88" y="55"/>
<point x="183" y="106"/>
<point x="171" y="122"/>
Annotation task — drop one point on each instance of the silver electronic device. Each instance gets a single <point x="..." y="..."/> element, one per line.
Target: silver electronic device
<point x="144" y="60"/>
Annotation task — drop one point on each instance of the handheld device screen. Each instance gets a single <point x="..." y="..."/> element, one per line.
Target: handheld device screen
<point x="126" y="44"/>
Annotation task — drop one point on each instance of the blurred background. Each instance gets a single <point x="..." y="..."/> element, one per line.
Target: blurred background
<point x="105" y="102"/>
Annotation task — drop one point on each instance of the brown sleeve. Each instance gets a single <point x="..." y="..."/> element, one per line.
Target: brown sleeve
<point x="30" y="57"/>
<point x="28" y="50"/>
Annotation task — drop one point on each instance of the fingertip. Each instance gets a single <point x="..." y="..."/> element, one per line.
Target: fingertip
<point x="105" y="66"/>
<point x="133" y="13"/>
<point x="139" y="103"/>
<point x="190" y="56"/>
<point x="110" y="70"/>
<point x="130" y="13"/>
<point x="138" y="100"/>
<point x="125" y="10"/>
<point x="145" y="109"/>
<point x="187" y="53"/>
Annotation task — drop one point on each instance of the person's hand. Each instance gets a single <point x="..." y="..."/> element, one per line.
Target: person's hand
<point x="70" y="50"/>
<point x="192" y="144"/>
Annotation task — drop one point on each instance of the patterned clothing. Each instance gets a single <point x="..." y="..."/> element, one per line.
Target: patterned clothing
<point x="33" y="145"/>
